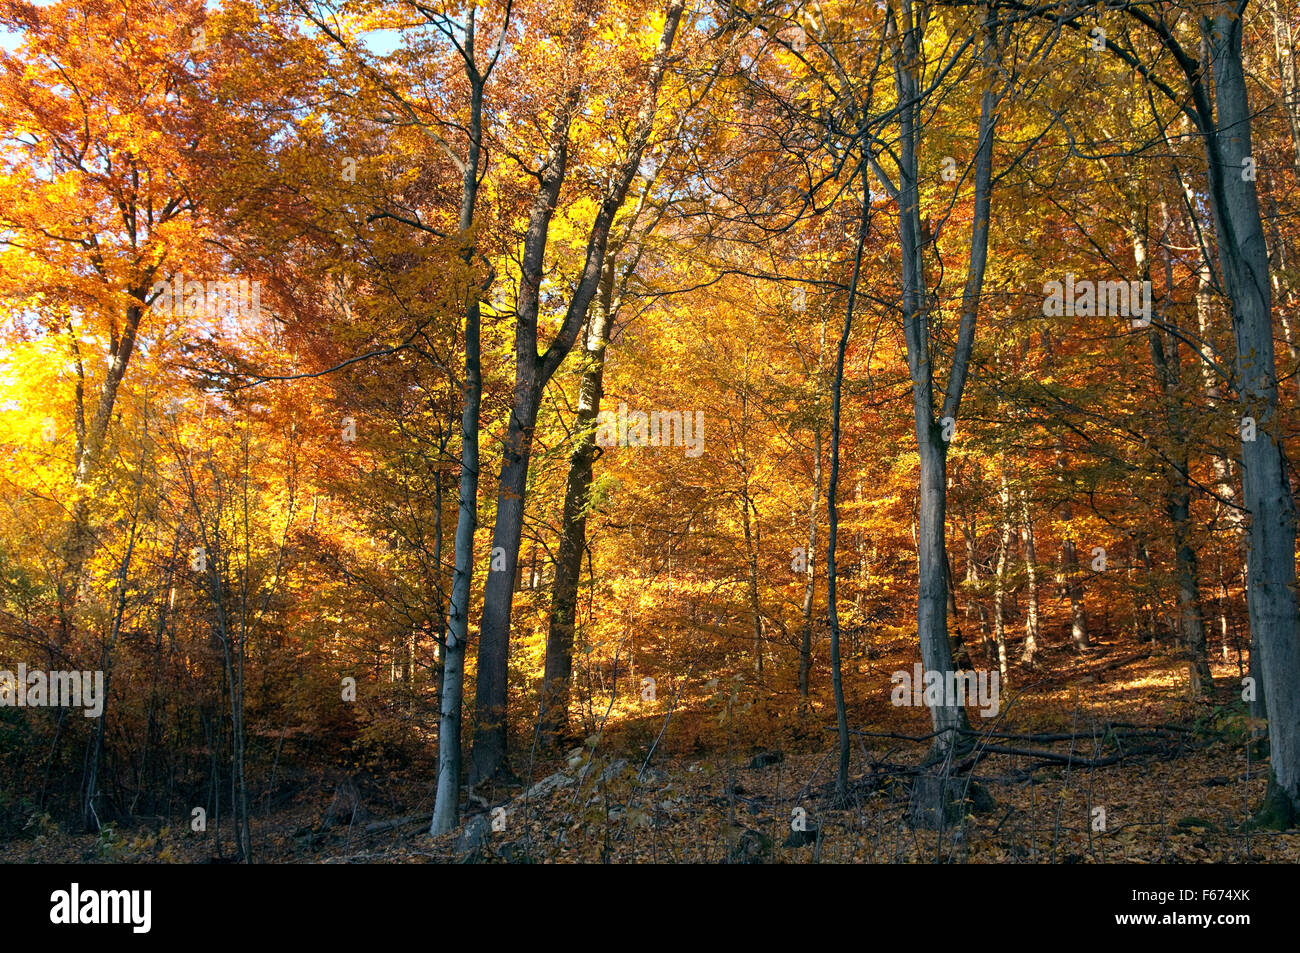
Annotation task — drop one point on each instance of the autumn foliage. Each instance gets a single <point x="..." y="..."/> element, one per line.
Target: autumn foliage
<point x="249" y="251"/>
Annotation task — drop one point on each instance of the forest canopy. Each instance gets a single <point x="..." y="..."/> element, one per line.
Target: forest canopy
<point x="496" y="426"/>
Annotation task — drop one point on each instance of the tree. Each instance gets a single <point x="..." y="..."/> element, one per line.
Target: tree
<point x="95" y="198"/>
<point x="533" y="370"/>
<point x="933" y="431"/>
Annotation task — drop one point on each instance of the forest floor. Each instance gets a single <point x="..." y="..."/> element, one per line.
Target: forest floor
<point x="1114" y="763"/>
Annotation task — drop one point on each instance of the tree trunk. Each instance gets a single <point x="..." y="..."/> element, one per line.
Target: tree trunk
<point x="1243" y="256"/>
<point x="532" y="372"/>
<point x="948" y="720"/>
<point x="573" y="528"/>
<point x="1226" y="505"/>
<point x="1000" y="579"/>
<point x="1074" y="589"/>
<point x="805" y="643"/>
<point x="447" y="800"/>
<point x="446" y="807"/>
<point x="1284" y="44"/>
<point x="1031" y="573"/>
<point x="92" y="438"/>
<point x="498" y="594"/>
<point x="832" y="505"/>
<point x="751" y="559"/>
<point x="1163" y="345"/>
<point x="974" y="604"/>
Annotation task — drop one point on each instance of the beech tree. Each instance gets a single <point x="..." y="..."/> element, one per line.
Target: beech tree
<point x="534" y="368"/>
<point x="977" y="312"/>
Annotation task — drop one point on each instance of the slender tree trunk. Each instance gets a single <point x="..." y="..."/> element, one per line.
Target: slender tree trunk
<point x="106" y="651"/>
<point x="832" y="505"/>
<point x="933" y="431"/>
<point x="959" y="653"/>
<point x="805" y="642"/>
<point x="498" y="595"/>
<point x="1165" y="359"/>
<point x="751" y="558"/>
<point x="1284" y="44"/>
<point x="1224" y="482"/>
<point x="1074" y="589"/>
<point x="92" y="438"/>
<point x="446" y="806"/>
<point x="974" y="604"/>
<point x="1000" y="578"/>
<point x="573" y="526"/>
<point x="1031" y="573"/>
<point x="439" y="588"/>
<point x="1190" y="614"/>
<point x="446" y="811"/>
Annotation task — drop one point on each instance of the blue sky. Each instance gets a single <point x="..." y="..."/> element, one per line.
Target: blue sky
<point x="8" y="39"/>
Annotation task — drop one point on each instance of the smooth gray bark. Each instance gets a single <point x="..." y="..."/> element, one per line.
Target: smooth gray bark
<point x="1266" y="491"/>
<point x="949" y="721"/>
<point x="446" y="809"/>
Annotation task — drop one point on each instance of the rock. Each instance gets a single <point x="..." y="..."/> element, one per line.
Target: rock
<point x="765" y="759"/>
<point x="653" y="777"/>
<point x="613" y="771"/>
<point x="474" y="834"/>
<point x="545" y="786"/>
<point x="752" y="847"/>
<point x="405" y="820"/>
